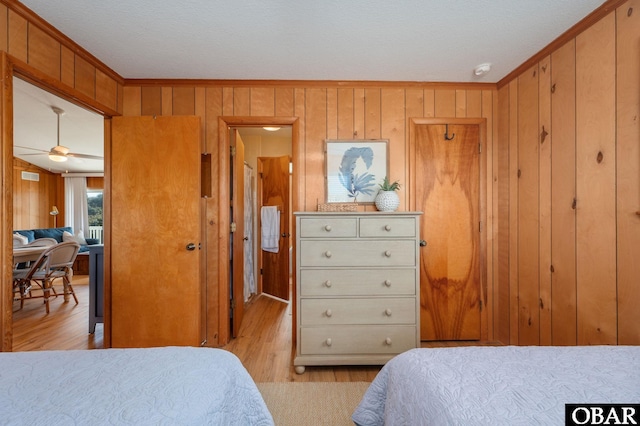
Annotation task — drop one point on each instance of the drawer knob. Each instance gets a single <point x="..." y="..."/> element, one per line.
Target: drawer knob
<point x="327" y="253"/>
<point x="329" y="313"/>
<point x="328" y="341"/>
<point x="387" y="341"/>
<point x="387" y="283"/>
<point x="387" y="312"/>
<point x="387" y="253"/>
<point x="327" y="283"/>
<point x="327" y="228"/>
<point x="387" y="227"/>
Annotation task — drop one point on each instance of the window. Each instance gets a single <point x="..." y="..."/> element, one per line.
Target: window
<point x="94" y="203"/>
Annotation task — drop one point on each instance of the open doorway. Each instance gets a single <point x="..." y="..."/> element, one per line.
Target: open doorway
<point x="263" y="147"/>
<point x="44" y="122"/>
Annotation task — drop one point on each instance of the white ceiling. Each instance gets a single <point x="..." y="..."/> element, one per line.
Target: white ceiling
<point x="401" y="40"/>
<point x="339" y="40"/>
<point x="35" y="126"/>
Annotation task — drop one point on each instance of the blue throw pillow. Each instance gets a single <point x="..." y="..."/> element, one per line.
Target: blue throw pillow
<point x="27" y="233"/>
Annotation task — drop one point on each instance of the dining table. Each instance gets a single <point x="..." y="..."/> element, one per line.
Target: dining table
<point x="27" y="253"/>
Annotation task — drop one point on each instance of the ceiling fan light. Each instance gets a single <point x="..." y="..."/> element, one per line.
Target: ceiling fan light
<point x="271" y="128"/>
<point x="60" y="149"/>
<point x="57" y="157"/>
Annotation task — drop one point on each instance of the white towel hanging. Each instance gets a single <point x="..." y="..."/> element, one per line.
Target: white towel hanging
<point x="270" y="216"/>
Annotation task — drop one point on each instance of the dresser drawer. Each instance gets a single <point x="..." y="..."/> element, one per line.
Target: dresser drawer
<point x="330" y="227"/>
<point x="357" y="282"/>
<point x="356" y="339"/>
<point x="391" y="227"/>
<point x="328" y="253"/>
<point x="358" y="311"/>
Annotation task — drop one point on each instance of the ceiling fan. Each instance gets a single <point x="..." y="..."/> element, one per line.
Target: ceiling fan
<point x="60" y="153"/>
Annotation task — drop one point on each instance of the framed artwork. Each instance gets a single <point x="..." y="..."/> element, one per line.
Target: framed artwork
<point x="354" y="169"/>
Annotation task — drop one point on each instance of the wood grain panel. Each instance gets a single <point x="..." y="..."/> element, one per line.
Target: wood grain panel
<point x="489" y="201"/>
<point x="18" y="36"/>
<point x="429" y="103"/>
<point x="4" y="21"/>
<point x="227" y="101"/>
<point x="106" y="90"/>
<point x="85" y="77"/>
<point x="563" y="193"/>
<point x="445" y="103"/>
<point x="132" y="102"/>
<point x="183" y="101"/>
<point x="316" y="133"/>
<point x="628" y="171"/>
<point x="359" y="120"/>
<point x="151" y="100"/>
<point x="528" y="208"/>
<point x="167" y="100"/>
<point x="299" y="163"/>
<point x="595" y="170"/>
<point x="242" y="101"/>
<point x="474" y="103"/>
<point x="67" y="66"/>
<point x="545" y="142"/>
<point x="263" y="101"/>
<point x="345" y="113"/>
<point x="461" y="103"/>
<point x="44" y="52"/>
<point x="372" y="112"/>
<point x="393" y="127"/>
<point x="513" y="212"/>
<point x="502" y="296"/>
<point x="200" y="111"/>
<point x="284" y="102"/>
<point x="332" y="113"/>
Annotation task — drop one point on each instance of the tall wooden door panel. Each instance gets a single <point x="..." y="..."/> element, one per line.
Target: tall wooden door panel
<point x="155" y="230"/>
<point x="274" y="191"/>
<point x="447" y="182"/>
<point x="238" y="233"/>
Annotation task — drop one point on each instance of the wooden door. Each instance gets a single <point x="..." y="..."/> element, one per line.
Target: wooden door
<point x="237" y="232"/>
<point x="447" y="183"/>
<point x="155" y="229"/>
<point x="274" y="191"/>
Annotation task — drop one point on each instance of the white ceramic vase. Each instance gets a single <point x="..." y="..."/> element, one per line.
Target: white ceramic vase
<point x="387" y="201"/>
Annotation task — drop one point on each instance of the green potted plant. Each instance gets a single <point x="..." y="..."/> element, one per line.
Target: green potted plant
<point x="387" y="199"/>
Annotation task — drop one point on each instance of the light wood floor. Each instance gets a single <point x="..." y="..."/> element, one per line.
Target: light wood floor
<point x="263" y="345"/>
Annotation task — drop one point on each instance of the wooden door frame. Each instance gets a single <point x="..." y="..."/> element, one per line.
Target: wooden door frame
<point x="11" y="67"/>
<point x="224" y="124"/>
<point x="487" y="307"/>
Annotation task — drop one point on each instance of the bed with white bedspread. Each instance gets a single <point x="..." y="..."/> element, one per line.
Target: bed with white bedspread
<point x="507" y="385"/>
<point x="151" y="386"/>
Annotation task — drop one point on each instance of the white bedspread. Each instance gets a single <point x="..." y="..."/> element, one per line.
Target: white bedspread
<point x="498" y="385"/>
<point x="154" y="386"/>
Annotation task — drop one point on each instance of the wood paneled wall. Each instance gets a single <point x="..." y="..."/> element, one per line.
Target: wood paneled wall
<point x="33" y="200"/>
<point x="563" y="210"/>
<point x="57" y="59"/>
<point x="326" y="111"/>
<point x="571" y="126"/>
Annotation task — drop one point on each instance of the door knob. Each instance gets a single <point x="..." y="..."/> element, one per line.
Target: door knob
<point x="423" y="243"/>
<point x="191" y="246"/>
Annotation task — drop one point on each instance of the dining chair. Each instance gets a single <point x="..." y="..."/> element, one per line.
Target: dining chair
<point x="55" y="262"/>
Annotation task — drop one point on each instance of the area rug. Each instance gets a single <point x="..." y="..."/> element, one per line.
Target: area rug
<point x="312" y="403"/>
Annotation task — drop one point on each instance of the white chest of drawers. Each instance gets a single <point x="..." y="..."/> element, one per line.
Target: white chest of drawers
<point x="357" y="287"/>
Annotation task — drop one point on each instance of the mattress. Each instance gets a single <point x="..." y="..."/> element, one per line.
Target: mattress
<point x="506" y="385"/>
<point x="171" y="385"/>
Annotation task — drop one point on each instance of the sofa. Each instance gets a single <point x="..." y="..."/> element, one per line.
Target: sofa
<point x="56" y="234"/>
<point x="81" y="265"/>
